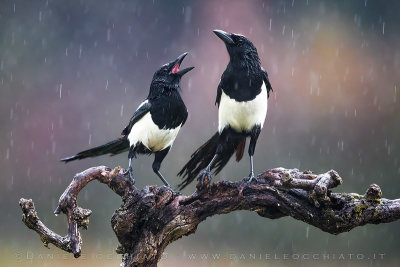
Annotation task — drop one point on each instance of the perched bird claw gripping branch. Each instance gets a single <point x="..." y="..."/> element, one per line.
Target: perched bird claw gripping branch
<point x="151" y="218"/>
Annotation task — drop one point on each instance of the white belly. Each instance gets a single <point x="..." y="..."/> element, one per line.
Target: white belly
<point x="242" y="116"/>
<point x="148" y="133"/>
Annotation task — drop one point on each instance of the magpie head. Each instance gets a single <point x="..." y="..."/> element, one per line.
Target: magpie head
<point x="171" y="73"/>
<point x="238" y="46"/>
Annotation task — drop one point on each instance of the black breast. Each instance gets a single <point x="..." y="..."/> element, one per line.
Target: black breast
<point x="168" y="110"/>
<point x="241" y="84"/>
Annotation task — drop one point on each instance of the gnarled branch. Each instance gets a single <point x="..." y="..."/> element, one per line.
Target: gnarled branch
<point x="151" y="218"/>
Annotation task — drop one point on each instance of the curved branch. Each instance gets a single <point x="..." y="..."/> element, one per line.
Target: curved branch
<point x="151" y="218"/>
<point x="76" y="216"/>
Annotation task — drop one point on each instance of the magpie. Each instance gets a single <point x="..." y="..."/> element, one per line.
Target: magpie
<point x="154" y="125"/>
<point x="242" y="99"/>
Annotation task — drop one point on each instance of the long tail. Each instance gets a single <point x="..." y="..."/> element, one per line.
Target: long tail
<point x="114" y="147"/>
<point x="203" y="155"/>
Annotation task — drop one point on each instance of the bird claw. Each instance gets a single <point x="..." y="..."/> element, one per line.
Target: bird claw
<point x="177" y="192"/>
<point x="130" y="172"/>
<point x="204" y="178"/>
<point x="251" y="178"/>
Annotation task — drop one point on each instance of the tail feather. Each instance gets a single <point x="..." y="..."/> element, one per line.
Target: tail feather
<point x="204" y="154"/>
<point x="114" y="147"/>
<point x="240" y="149"/>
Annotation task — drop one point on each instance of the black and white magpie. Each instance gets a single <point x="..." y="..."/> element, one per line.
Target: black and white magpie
<point x="242" y="99"/>
<point x="154" y="125"/>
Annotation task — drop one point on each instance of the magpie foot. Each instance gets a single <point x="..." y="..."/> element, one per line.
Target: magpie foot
<point x="130" y="172"/>
<point x="251" y="178"/>
<point x="204" y="178"/>
<point x="177" y="192"/>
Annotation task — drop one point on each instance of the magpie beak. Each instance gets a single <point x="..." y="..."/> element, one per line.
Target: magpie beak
<point x="224" y="36"/>
<point x="177" y="64"/>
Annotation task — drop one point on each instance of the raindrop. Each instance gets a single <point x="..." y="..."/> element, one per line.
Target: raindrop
<point x="90" y="139"/>
<point x="40" y="15"/>
<point x="318" y="26"/>
<point x="188" y="15"/>
<point x="66" y="51"/>
<point x="108" y="34"/>
<point x="270" y="24"/>
<point x="60" y="89"/>
<point x="283" y="29"/>
<point x="341" y="145"/>
<point x="313" y="139"/>
<point x="53" y="147"/>
<point x="395" y="94"/>
<point x="307" y="231"/>
<point x="80" y="51"/>
<point x="107" y="84"/>
<point x="122" y="110"/>
<point x="383" y="28"/>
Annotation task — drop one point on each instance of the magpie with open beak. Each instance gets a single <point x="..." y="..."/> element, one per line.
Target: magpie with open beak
<point x="154" y="125"/>
<point x="242" y="99"/>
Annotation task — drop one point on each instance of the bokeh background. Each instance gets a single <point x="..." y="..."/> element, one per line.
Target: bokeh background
<point x="73" y="72"/>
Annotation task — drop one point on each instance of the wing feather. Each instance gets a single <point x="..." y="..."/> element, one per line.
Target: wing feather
<point x="266" y="81"/>
<point x="139" y="113"/>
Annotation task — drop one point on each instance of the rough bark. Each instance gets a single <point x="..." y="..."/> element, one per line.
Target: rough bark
<point x="150" y="219"/>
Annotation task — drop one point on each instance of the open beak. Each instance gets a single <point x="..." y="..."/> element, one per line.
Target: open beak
<point x="224" y="36"/>
<point x="176" y="69"/>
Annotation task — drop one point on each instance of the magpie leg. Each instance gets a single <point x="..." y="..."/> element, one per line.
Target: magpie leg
<point x="223" y="138"/>
<point x="207" y="171"/>
<point x="159" y="157"/>
<point x="130" y="156"/>
<point x="253" y="140"/>
<point x="251" y="175"/>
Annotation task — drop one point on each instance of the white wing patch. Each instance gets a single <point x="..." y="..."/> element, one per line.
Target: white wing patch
<point x="242" y="116"/>
<point x="148" y="133"/>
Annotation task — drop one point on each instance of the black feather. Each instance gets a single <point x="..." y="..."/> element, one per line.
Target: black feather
<point x="114" y="147"/>
<point x="266" y="81"/>
<point x="139" y="113"/>
<point x="203" y="155"/>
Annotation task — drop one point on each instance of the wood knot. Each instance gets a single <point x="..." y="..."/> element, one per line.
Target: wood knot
<point x="373" y="193"/>
<point x="286" y="178"/>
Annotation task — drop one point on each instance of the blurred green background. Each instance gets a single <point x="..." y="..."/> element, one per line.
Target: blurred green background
<point x="73" y="72"/>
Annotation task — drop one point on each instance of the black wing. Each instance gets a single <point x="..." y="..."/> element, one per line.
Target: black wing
<point x="266" y="81"/>
<point x="219" y="93"/>
<point x="139" y="113"/>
